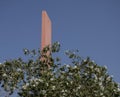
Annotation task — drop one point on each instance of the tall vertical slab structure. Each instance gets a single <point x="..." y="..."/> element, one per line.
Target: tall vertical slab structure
<point x="46" y="30"/>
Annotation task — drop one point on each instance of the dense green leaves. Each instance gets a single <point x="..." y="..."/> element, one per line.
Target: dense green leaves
<point x="43" y="76"/>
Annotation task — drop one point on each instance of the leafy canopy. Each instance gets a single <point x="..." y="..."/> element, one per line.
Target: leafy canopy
<point x="44" y="76"/>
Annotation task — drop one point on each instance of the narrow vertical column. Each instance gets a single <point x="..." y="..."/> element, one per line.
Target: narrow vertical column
<point x="46" y="30"/>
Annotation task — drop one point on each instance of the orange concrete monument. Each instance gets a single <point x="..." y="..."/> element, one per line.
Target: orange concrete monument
<point x="46" y="30"/>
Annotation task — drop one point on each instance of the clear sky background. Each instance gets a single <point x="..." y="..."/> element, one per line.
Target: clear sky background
<point x="92" y="26"/>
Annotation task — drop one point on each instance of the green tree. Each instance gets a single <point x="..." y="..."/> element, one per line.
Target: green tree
<point x="44" y="76"/>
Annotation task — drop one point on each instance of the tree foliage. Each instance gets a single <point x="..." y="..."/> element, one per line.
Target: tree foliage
<point x="44" y="76"/>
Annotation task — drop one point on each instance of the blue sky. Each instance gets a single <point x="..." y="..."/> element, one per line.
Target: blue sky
<point x="92" y="26"/>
